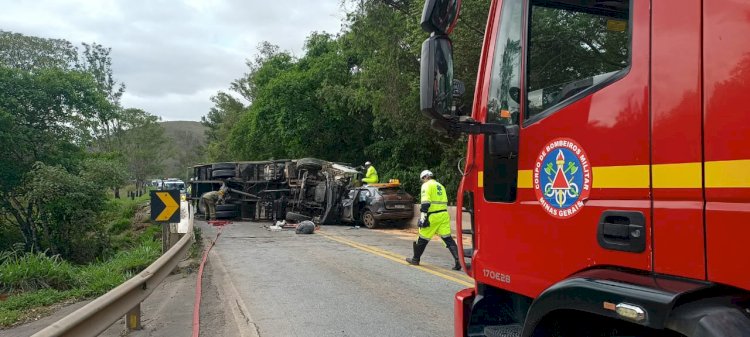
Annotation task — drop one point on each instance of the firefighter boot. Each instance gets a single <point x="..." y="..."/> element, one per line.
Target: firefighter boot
<point x="453" y="248"/>
<point x="419" y="247"/>
<point x="454" y="252"/>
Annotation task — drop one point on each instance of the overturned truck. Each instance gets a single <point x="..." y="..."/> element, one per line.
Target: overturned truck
<point x="296" y="190"/>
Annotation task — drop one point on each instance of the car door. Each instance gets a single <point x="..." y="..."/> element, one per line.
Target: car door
<point x="347" y="206"/>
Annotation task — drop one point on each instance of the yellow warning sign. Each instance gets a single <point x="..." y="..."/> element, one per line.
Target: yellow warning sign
<point x="165" y="206"/>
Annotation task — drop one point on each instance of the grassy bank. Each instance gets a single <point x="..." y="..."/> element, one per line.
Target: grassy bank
<point x="35" y="282"/>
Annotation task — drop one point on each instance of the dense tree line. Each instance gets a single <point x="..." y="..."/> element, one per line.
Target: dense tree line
<point x="66" y="141"/>
<point x="352" y="97"/>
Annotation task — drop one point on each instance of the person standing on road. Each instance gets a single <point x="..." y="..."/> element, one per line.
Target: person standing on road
<point x="211" y="198"/>
<point x="434" y="219"/>
<point x="371" y="177"/>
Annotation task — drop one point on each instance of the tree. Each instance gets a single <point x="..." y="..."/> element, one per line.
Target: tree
<point x="143" y="144"/>
<point x="219" y="121"/>
<point x="42" y="119"/>
<point x="106" y="172"/>
<point x="31" y="53"/>
<point x="64" y="207"/>
<point x="352" y="97"/>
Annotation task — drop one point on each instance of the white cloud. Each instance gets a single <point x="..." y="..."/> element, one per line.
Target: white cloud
<point x="174" y="55"/>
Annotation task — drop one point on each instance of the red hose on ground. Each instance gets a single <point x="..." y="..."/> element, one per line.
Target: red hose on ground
<point x="197" y="304"/>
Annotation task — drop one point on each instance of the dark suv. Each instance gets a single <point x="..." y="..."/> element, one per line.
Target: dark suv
<point x="375" y="204"/>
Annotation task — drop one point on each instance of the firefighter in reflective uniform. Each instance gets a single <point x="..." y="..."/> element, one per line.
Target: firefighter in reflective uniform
<point x="434" y="219"/>
<point x="211" y="198"/>
<point x="371" y="177"/>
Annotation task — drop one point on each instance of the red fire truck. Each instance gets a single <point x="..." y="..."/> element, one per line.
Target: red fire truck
<point x="608" y="166"/>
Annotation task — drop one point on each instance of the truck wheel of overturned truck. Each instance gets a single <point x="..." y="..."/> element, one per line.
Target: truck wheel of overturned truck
<point x="226" y="207"/>
<point x="310" y="164"/>
<point x="291" y="216"/>
<point x="223" y="174"/>
<point x="224" y="166"/>
<point x="226" y="214"/>
<point x="368" y="219"/>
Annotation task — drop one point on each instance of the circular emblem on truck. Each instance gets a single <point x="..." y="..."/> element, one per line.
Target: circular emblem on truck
<point x="562" y="178"/>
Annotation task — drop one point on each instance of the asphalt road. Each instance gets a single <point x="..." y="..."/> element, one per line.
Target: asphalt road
<point x="336" y="282"/>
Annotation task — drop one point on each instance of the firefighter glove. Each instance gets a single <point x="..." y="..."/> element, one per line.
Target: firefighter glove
<point x="424" y="221"/>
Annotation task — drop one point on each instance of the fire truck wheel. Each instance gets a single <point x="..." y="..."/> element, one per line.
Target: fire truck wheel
<point x="226" y="207"/>
<point x="226" y="214"/>
<point x="223" y="174"/>
<point x="291" y="216"/>
<point x="224" y="166"/>
<point x="368" y="219"/>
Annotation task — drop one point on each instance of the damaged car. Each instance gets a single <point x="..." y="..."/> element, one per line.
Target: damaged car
<point x="378" y="204"/>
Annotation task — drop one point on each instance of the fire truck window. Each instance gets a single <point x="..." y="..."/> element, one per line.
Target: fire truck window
<point x="501" y="173"/>
<point x="573" y="49"/>
<point x="502" y="103"/>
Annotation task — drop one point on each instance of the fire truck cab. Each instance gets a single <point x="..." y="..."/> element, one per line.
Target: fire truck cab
<point x="608" y="166"/>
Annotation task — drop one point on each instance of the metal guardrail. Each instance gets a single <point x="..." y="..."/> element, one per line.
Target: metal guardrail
<point x="101" y="313"/>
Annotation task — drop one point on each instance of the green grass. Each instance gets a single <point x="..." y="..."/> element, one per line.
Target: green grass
<point x="33" y="271"/>
<point x="36" y="281"/>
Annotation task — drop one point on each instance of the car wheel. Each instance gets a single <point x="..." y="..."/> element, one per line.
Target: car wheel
<point x="310" y="163"/>
<point x="368" y="219"/>
<point x="223" y="174"/>
<point x="224" y="166"/>
<point x="297" y="217"/>
<point x="226" y="214"/>
<point x="226" y="207"/>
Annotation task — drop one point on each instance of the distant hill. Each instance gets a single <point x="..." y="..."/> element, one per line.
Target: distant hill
<point x="189" y="140"/>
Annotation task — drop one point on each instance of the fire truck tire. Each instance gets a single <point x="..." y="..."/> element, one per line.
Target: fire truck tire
<point x="310" y="163"/>
<point x="368" y="219"/>
<point x="224" y="166"/>
<point x="226" y="207"/>
<point x="223" y="174"/>
<point x="226" y="214"/>
<point x="291" y="216"/>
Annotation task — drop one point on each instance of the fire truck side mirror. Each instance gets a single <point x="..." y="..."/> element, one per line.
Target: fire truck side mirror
<point x="436" y="77"/>
<point x="440" y="16"/>
<point x="515" y="94"/>
<point x="504" y="145"/>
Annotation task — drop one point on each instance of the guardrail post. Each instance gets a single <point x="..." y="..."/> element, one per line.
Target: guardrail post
<point x="133" y="318"/>
<point x="165" y="237"/>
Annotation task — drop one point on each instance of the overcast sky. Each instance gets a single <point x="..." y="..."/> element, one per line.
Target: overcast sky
<point x="174" y="55"/>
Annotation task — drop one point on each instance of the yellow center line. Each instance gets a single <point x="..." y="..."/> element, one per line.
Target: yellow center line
<point x="460" y="279"/>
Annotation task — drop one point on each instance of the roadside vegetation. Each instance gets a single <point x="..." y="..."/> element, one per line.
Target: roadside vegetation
<point x="33" y="282"/>
<point x="69" y="150"/>
<point x="353" y="96"/>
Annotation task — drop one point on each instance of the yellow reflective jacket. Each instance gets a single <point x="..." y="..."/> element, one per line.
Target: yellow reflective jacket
<point x="434" y="193"/>
<point x="371" y="177"/>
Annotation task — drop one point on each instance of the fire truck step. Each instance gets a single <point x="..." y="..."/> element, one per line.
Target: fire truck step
<point x="511" y="330"/>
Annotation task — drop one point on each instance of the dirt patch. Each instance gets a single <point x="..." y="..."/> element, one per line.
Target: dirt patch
<point x="142" y="217"/>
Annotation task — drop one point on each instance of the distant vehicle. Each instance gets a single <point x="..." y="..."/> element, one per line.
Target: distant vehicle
<point x="173" y="185"/>
<point x="376" y="204"/>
